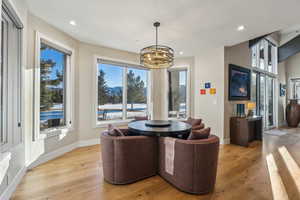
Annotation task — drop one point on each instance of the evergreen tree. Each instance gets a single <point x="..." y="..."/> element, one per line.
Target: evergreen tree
<point x="103" y="92"/>
<point x="135" y="89"/>
<point x="48" y="95"/>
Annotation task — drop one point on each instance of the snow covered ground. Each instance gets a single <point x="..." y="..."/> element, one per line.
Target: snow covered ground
<point x="119" y="106"/>
<point x="114" y="111"/>
<point x="110" y="112"/>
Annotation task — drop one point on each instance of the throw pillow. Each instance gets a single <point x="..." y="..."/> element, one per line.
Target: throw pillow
<point x="114" y="131"/>
<point x="199" y="134"/>
<point x="194" y="122"/>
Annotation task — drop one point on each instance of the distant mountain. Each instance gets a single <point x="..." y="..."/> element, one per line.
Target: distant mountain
<point x="117" y="90"/>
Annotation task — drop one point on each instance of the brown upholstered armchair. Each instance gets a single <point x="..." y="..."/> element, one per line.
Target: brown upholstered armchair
<point x="127" y="159"/>
<point x="194" y="164"/>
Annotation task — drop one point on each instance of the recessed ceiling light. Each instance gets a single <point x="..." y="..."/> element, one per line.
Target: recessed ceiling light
<point x="181" y="52"/>
<point x="241" y="28"/>
<point x="73" y="23"/>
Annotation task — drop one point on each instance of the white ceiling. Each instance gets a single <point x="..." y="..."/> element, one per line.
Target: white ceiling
<point x="289" y="33"/>
<point x="186" y="25"/>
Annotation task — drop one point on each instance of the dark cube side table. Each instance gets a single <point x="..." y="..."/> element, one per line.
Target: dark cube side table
<point x="245" y="129"/>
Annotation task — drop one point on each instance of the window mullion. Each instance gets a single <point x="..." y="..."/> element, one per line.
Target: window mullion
<point x="266" y="55"/>
<point x="258" y="56"/>
<point x="149" y="108"/>
<point x="67" y="89"/>
<point x="124" y="107"/>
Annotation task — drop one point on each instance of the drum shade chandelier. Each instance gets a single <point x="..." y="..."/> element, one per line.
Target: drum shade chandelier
<point x="157" y="56"/>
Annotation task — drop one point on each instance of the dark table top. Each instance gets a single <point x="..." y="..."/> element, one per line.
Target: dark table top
<point x="175" y="128"/>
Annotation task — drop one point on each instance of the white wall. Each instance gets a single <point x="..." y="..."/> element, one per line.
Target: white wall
<point x="281" y="100"/>
<point x="209" y="67"/>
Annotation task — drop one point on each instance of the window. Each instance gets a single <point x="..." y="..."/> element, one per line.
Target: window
<point x="295" y="88"/>
<point x="122" y="91"/>
<point x="10" y="78"/>
<point x="136" y="93"/>
<point x="177" y="94"/>
<point x="110" y="92"/>
<point x="264" y="63"/>
<point x="53" y="87"/>
<point x="254" y="90"/>
<point x="264" y="56"/>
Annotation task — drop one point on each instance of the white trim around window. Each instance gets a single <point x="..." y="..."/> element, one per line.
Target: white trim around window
<point x="94" y="108"/>
<point x="69" y="102"/>
<point x="188" y="89"/>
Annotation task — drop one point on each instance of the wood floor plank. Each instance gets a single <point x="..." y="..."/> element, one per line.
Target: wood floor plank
<point x="291" y="165"/>
<point x="278" y="189"/>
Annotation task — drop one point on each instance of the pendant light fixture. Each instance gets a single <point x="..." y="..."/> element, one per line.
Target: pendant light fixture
<point x="157" y="56"/>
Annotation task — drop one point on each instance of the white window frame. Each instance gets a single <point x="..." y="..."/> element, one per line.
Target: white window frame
<point x="124" y="121"/>
<point x="188" y="89"/>
<point x="69" y="103"/>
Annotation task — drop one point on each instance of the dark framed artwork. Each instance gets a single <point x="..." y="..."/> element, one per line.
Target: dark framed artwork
<point x="239" y="83"/>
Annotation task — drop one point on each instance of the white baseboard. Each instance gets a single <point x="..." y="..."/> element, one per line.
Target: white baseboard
<point x="54" y="154"/>
<point x="90" y="142"/>
<point x="13" y="185"/>
<point x="59" y="152"/>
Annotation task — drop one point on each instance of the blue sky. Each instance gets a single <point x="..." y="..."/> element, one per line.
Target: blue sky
<point x="182" y="77"/>
<point x="58" y="57"/>
<point x="113" y="74"/>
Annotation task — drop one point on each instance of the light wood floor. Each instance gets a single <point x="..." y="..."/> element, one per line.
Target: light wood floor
<point x="242" y="175"/>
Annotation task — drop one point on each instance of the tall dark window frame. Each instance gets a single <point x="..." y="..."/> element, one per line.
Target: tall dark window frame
<point x="172" y="112"/>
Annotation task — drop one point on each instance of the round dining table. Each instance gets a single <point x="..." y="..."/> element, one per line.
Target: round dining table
<point x="160" y="128"/>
